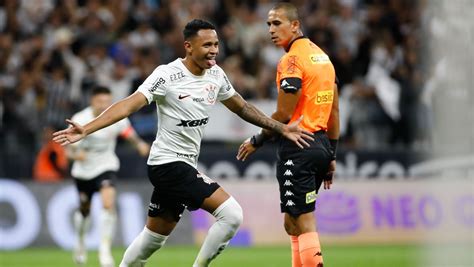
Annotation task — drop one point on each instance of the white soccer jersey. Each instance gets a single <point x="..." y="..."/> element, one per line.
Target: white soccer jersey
<point x="183" y="102"/>
<point x="99" y="147"/>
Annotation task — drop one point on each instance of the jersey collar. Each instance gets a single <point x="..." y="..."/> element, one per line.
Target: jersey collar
<point x="291" y="43"/>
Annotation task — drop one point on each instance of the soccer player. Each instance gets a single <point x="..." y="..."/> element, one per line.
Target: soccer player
<point x="94" y="170"/>
<point x="306" y="87"/>
<point x="184" y="91"/>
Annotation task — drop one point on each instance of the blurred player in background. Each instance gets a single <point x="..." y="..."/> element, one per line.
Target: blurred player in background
<point x="306" y="87"/>
<point x="184" y="92"/>
<point x="94" y="170"/>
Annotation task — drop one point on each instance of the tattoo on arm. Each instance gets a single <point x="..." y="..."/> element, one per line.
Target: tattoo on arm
<point x="251" y="114"/>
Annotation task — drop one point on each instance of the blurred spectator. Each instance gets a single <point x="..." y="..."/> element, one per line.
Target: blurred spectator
<point x="51" y="164"/>
<point x="53" y="52"/>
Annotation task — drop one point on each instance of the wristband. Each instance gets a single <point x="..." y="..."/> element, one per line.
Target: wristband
<point x="333" y="143"/>
<point x="258" y="139"/>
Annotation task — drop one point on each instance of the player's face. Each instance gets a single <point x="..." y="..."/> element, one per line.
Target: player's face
<point x="281" y="29"/>
<point x="100" y="102"/>
<point x="203" y="48"/>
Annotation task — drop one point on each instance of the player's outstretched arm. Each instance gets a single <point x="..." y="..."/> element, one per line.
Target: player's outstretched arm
<point x="253" y="115"/>
<point x="112" y="114"/>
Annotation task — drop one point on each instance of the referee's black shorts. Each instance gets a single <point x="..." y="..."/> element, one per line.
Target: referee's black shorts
<point x="300" y="173"/>
<point x="178" y="185"/>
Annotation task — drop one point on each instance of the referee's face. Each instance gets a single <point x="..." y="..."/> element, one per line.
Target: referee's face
<point x="203" y="48"/>
<point x="281" y="29"/>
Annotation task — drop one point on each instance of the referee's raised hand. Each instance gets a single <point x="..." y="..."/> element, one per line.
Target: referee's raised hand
<point x="72" y="134"/>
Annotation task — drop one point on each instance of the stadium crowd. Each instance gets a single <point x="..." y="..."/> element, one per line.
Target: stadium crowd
<point x="52" y="52"/>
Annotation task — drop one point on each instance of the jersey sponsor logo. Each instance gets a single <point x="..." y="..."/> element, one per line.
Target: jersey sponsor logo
<point x="319" y="58"/>
<point x="182" y="96"/>
<point x="311" y="197"/>
<point x="177" y="76"/>
<point x="198" y="99"/>
<point x="213" y="72"/>
<point x="288" y="173"/>
<point x="324" y="97"/>
<point x="188" y="156"/>
<point x="193" y="123"/>
<point x="288" y="183"/>
<point x="227" y="82"/>
<point x="290" y="203"/>
<point x="159" y="82"/>
<point x="289" y="163"/>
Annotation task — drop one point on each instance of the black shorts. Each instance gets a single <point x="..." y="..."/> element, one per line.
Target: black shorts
<point x="300" y="173"/>
<point x="178" y="185"/>
<point x="87" y="188"/>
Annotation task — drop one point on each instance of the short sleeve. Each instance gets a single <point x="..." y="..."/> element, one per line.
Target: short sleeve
<point x="291" y="67"/>
<point x="290" y="74"/>
<point x="155" y="85"/>
<point x="226" y="89"/>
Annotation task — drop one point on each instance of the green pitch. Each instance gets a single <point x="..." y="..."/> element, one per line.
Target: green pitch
<point x="177" y="256"/>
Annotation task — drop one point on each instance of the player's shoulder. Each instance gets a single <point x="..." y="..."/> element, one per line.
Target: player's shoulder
<point x="167" y="68"/>
<point x="86" y="112"/>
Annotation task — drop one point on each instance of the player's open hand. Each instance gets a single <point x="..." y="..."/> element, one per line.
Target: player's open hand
<point x="329" y="175"/>
<point x="74" y="133"/>
<point x="297" y="135"/>
<point x="246" y="149"/>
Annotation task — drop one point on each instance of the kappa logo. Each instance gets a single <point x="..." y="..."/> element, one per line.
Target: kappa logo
<point x="287" y="87"/>
<point x="290" y="203"/>
<point x="287" y="183"/>
<point x="289" y="163"/>
<point x="205" y="178"/>
<point x="289" y="193"/>
<point x="288" y="173"/>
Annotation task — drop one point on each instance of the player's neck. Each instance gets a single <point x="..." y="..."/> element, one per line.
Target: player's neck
<point x="296" y="37"/>
<point x="192" y="67"/>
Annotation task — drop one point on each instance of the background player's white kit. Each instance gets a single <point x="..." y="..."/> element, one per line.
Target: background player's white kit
<point x="99" y="146"/>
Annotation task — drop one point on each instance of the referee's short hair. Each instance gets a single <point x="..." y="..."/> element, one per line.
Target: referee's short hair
<point x="97" y="90"/>
<point x="191" y="29"/>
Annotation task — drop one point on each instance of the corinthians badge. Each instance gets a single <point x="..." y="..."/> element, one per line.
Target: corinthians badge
<point x="211" y="93"/>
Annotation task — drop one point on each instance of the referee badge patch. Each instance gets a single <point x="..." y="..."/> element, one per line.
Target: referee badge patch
<point x="311" y="197"/>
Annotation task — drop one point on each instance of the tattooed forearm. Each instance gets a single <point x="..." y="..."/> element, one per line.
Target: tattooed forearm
<point x="253" y="115"/>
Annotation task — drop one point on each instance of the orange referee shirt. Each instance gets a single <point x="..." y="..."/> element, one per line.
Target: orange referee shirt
<point x="306" y="65"/>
